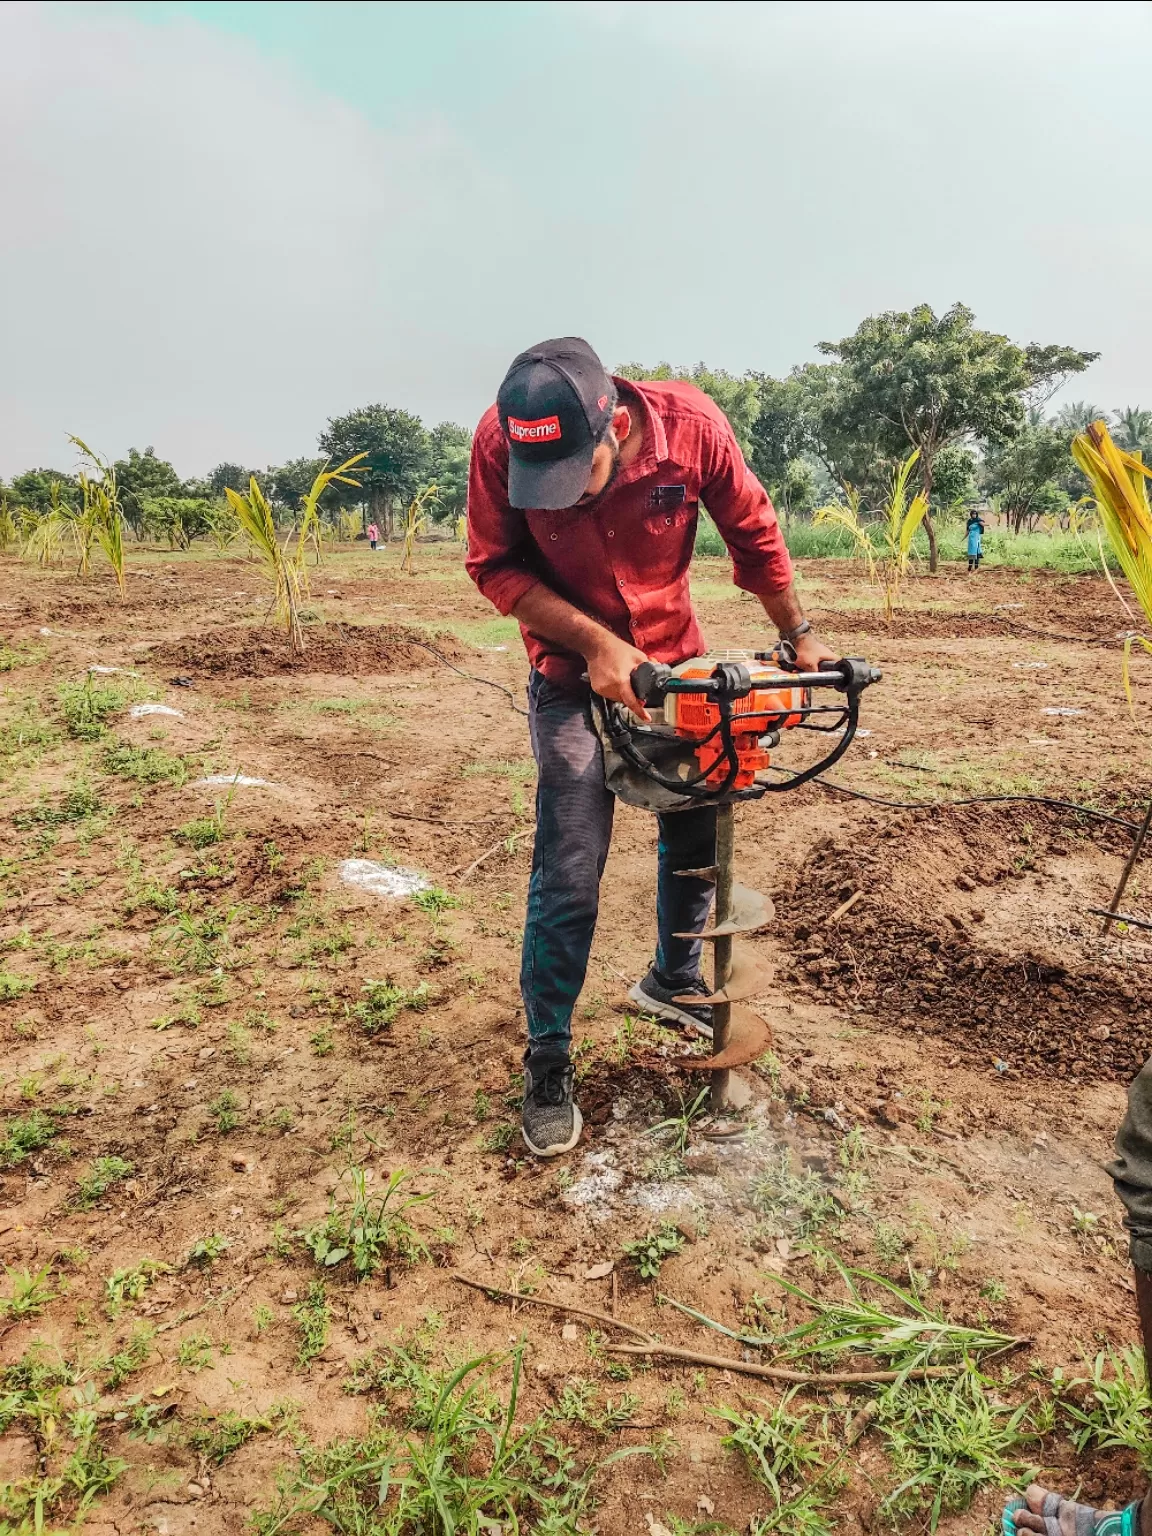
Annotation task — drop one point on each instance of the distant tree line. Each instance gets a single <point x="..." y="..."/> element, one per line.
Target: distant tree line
<point x="404" y="458"/>
<point x="973" y="402"/>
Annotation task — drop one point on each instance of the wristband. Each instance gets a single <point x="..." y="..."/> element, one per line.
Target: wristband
<point x="792" y="635"/>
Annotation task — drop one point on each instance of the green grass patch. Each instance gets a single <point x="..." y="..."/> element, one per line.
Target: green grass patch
<point x="146" y="765"/>
<point x="104" y="1174"/>
<point x="24" y="1135"/>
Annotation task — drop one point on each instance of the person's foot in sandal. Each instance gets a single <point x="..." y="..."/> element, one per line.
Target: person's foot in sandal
<point x="1050" y="1515"/>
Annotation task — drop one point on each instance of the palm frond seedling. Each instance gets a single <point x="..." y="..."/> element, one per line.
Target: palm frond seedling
<point x="367" y="1228"/>
<point x="907" y="1335"/>
<point x="43" y="533"/>
<point x="99" y="520"/>
<point x="414" y="519"/>
<point x="9" y="536"/>
<point x="311" y="529"/>
<point x="258" y="525"/>
<point x="1119" y="483"/>
<point x="897" y="524"/>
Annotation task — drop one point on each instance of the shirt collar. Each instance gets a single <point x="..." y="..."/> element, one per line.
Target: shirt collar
<point x="654" y="449"/>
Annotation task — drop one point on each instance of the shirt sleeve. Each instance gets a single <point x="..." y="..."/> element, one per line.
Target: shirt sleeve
<point x="740" y="507"/>
<point x="499" y="543"/>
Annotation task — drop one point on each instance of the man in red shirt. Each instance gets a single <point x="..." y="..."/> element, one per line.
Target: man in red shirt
<point x="583" y="498"/>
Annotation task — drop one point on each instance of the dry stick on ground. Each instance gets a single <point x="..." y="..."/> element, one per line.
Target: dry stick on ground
<point x="508" y="843"/>
<point x="213" y="1301"/>
<point x="651" y="1346"/>
<point x="845" y="906"/>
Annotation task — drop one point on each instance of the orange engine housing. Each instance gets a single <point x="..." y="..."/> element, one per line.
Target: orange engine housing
<point x="696" y="718"/>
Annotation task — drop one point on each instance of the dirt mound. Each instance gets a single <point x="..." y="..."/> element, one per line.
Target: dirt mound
<point x="964" y="625"/>
<point x="972" y="925"/>
<point x="238" y="651"/>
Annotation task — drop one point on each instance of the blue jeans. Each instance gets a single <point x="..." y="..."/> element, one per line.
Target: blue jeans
<point x="573" y="830"/>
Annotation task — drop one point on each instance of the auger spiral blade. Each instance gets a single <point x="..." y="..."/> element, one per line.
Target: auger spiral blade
<point x="748" y="1038"/>
<point x="749" y="912"/>
<point x="750" y="976"/>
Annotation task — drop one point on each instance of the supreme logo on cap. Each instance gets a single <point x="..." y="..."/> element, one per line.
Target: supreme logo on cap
<point x="544" y="430"/>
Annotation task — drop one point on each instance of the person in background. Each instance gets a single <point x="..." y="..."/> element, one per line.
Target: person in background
<point x="373" y="535"/>
<point x="975" y="541"/>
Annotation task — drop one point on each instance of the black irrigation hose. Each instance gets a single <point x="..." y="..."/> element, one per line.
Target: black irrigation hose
<point x="471" y="676"/>
<point x="1009" y="623"/>
<point x="932" y="805"/>
<point x="841" y="789"/>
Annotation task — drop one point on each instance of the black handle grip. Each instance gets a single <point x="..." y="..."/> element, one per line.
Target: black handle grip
<point x="648" y="680"/>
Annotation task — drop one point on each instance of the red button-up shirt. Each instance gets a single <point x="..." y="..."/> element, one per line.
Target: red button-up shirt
<point x="623" y="559"/>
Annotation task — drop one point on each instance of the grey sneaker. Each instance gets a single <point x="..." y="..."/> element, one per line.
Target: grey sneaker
<point x="654" y="995"/>
<point x="550" y="1121"/>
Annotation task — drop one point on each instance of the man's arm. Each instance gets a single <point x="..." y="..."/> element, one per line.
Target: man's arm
<point x="611" y="661"/>
<point x="747" y="523"/>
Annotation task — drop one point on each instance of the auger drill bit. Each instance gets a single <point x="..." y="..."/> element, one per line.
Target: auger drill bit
<point x="738" y="1035"/>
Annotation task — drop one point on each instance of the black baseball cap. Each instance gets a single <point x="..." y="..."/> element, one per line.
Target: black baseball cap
<point x="554" y="404"/>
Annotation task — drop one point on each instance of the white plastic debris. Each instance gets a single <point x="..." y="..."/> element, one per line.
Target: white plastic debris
<point x="382" y="879"/>
<point x="112" y="671"/>
<point x="139" y="711"/>
<point x="1057" y="709"/>
<point x="1029" y="666"/>
<point x="229" y="779"/>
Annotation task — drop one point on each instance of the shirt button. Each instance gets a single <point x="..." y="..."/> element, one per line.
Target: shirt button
<point x="620" y="583"/>
<point x="611" y="533"/>
<point x="667" y="524"/>
<point x="552" y="535"/>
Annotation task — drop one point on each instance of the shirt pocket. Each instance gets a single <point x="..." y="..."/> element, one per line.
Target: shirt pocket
<point x="660" y="524"/>
<point x="666" y="548"/>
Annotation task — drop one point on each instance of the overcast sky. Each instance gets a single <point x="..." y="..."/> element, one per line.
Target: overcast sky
<point x="221" y="224"/>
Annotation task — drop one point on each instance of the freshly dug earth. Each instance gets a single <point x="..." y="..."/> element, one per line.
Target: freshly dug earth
<point x="190" y="987"/>
<point x="965" y="939"/>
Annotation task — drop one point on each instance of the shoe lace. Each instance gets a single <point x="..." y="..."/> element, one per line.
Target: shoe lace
<point x="553" y="1085"/>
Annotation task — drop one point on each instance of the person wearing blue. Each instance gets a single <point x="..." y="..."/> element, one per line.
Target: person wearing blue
<point x="975" y="541"/>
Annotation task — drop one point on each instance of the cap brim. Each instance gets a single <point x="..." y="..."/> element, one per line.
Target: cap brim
<point x="550" y="484"/>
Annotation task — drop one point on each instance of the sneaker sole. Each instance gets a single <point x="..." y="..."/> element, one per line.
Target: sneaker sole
<point x="558" y="1147"/>
<point x="661" y="1010"/>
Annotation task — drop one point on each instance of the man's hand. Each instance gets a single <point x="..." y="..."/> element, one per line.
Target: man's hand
<point x="611" y="663"/>
<point x="810" y="652"/>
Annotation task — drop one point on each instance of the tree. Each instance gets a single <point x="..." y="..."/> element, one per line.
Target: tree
<point x="449" y="450"/>
<point x="33" y="489"/>
<point x="926" y="381"/>
<point x="290" y="483"/>
<point x="229" y="477"/>
<point x="1077" y="416"/>
<point x="397" y="447"/>
<point x="179" y="519"/>
<point x="1023" y="474"/>
<point x="142" y="477"/>
<point x="954" y="481"/>
<point x="738" y="398"/>
<point x="1132" y="430"/>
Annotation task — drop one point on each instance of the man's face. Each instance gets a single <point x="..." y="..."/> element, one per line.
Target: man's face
<point x="606" y="459"/>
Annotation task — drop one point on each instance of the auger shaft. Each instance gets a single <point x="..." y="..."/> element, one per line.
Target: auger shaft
<point x="722" y="948"/>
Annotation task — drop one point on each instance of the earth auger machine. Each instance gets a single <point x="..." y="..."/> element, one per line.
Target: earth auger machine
<point x="714" y="722"/>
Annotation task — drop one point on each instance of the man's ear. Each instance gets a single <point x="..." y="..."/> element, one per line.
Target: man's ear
<point x="621" y="422"/>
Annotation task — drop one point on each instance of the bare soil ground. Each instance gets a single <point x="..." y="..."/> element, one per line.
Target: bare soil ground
<point x="205" y="1029"/>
